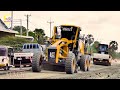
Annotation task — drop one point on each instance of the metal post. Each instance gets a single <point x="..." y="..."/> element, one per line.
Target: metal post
<point x="21" y="27"/>
<point x="11" y="19"/>
<point x="50" y="22"/>
<point x="20" y="65"/>
<point x="27" y="22"/>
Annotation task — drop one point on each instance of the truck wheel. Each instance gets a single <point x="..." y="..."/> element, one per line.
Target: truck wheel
<point x="17" y="66"/>
<point x="70" y="65"/>
<point x="36" y="63"/>
<point x="108" y="63"/>
<point x="85" y="63"/>
<point x="94" y="62"/>
<point x="6" y="67"/>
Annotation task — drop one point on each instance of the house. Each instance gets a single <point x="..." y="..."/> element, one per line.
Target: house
<point x="26" y="37"/>
<point x="5" y="31"/>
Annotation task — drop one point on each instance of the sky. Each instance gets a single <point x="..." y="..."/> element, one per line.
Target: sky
<point x="103" y="25"/>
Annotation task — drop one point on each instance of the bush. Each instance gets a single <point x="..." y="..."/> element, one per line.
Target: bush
<point x="13" y="41"/>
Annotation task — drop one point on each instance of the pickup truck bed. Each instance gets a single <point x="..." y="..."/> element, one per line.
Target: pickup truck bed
<point x="25" y="58"/>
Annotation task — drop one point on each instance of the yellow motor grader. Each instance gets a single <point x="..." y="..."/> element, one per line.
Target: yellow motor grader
<point x="67" y="49"/>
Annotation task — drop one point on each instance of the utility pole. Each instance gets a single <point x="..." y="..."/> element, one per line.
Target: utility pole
<point x="50" y="22"/>
<point x="27" y="22"/>
<point x="11" y="19"/>
<point x="21" y="27"/>
<point x="19" y="22"/>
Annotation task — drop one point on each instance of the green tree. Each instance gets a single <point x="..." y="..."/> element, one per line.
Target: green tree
<point x="95" y="46"/>
<point x="18" y="28"/>
<point x="113" y="46"/>
<point x="39" y="35"/>
<point x="30" y="33"/>
<point x="89" y="38"/>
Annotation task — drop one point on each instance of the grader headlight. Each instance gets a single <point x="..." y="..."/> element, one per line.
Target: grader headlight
<point x="52" y="54"/>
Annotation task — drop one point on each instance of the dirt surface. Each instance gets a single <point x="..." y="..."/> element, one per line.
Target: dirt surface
<point x="96" y="72"/>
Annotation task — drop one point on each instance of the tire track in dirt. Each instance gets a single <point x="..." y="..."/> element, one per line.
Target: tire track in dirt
<point x="96" y="72"/>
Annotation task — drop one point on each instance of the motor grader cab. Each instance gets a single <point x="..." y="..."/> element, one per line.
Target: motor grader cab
<point x="67" y="51"/>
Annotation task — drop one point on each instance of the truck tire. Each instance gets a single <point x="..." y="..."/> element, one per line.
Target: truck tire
<point x="36" y="63"/>
<point x="6" y="67"/>
<point x="94" y="62"/>
<point x="85" y="63"/>
<point x="70" y="64"/>
<point x="17" y="66"/>
<point x="108" y="63"/>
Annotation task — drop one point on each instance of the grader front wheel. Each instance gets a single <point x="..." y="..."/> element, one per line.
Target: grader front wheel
<point x="36" y="63"/>
<point x="70" y="65"/>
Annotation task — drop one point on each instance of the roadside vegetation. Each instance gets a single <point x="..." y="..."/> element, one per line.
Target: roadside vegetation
<point x="38" y="34"/>
<point x="17" y="42"/>
<point x="113" y="47"/>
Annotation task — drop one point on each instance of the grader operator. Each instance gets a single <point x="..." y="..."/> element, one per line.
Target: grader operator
<point x="67" y="50"/>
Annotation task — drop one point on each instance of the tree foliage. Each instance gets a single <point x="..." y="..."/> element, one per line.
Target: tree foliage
<point x="18" y="28"/>
<point x="95" y="46"/>
<point x="39" y="35"/>
<point x="89" y="38"/>
<point x="113" y="46"/>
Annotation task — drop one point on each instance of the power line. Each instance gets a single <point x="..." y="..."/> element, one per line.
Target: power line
<point x="50" y="22"/>
<point x="27" y="22"/>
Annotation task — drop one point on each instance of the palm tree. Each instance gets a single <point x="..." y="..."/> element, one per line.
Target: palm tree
<point x="89" y="39"/>
<point x="113" y="45"/>
<point x="39" y="35"/>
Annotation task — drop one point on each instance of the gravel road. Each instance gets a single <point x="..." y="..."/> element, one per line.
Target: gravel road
<point x="96" y="72"/>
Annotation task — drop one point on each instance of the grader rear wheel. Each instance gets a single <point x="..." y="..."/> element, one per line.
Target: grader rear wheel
<point x="85" y="63"/>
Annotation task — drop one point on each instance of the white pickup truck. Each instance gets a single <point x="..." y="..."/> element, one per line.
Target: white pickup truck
<point x="27" y="53"/>
<point x="102" y="57"/>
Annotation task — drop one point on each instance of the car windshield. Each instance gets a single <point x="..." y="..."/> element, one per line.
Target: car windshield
<point x="2" y="51"/>
<point x="103" y="48"/>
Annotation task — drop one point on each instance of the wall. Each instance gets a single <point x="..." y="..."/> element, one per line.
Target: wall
<point x="3" y="34"/>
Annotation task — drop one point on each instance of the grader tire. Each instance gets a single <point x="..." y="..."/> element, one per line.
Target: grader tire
<point x="70" y="64"/>
<point x="85" y="63"/>
<point x="36" y="63"/>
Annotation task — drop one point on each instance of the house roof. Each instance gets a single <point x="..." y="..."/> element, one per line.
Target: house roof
<point x="29" y="37"/>
<point x="3" y="24"/>
<point x="4" y="28"/>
